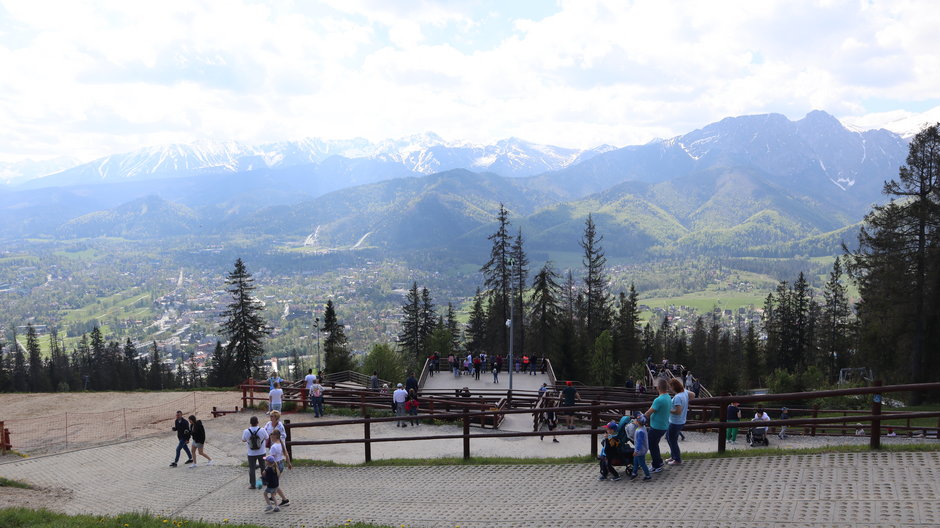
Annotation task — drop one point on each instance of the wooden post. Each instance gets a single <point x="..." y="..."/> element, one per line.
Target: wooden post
<point x="367" y="434"/>
<point x="466" y="434"/>
<point x="722" y="417"/>
<point x="303" y="398"/>
<point x="125" y="424"/>
<point x="244" y="397"/>
<point x="66" y="430"/>
<point x="812" y="431"/>
<point x="362" y="406"/>
<point x="875" y="442"/>
<point x="594" y="425"/>
<point x="3" y="439"/>
<point x="509" y="398"/>
<point x="290" y="449"/>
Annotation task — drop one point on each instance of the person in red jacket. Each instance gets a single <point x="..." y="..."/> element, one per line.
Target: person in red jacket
<point x="411" y="406"/>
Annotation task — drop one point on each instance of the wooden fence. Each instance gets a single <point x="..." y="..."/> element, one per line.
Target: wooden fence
<point x="596" y="410"/>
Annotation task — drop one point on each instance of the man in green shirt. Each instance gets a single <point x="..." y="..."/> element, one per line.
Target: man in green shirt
<point x="658" y="416"/>
<point x="569" y="394"/>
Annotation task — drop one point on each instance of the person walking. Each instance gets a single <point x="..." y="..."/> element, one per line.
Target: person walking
<point x="275" y="424"/>
<point x="604" y="459"/>
<point x="255" y="438"/>
<point x="279" y="452"/>
<point x="181" y="426"/>
<point x="316" y="398"/>
<point x="640" y="448"/>
<point x="569" y="395"/>
<point x="477" y="365"/>
<point x="399" y="397"/>
<point x="677" y="418"/>
<point x="734" y="415"/>
<point x="199" y="440"/>
<point x="411" y="383"/>
<point x="273" y="379"/>
<point x="270" y="484"/>
<point x="658" y="418"/>
<point x="495" y="372"/>
<point x="784" y="415"/>
<point x="275" y="397"/>
<point x="411" y="407"/>
<point x="309" y="380"/>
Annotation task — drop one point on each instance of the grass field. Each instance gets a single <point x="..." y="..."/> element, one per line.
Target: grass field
<point x="704" y="301"/>
<point x="23" y="518"/>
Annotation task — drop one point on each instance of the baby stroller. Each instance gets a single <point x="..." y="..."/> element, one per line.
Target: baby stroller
<point x="757" y="436"/>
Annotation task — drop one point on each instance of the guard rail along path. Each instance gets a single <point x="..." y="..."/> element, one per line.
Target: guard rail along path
<point x="596" y="410"/>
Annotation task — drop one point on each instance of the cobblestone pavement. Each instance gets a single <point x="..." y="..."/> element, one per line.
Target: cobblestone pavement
<point x="835" y="490"/>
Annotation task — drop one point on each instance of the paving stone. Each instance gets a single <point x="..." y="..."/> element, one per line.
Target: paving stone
<point x="831" y="490"/>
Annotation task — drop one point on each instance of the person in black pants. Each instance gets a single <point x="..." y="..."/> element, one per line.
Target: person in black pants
<point x="181" y="426"/>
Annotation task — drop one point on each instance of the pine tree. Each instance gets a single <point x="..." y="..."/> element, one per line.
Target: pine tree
<point x="243" y="323"/>
<point x="427" y="323"/>
<point x="476" y="326"/>
<point x="835" y="328"/>
<point x="453" y="328"/>
<point x="752" y="360"/>
<point x="133" y="364"/>
<point x="220" y="372"/>
<point x="497" y="280"/>
<point x="37" y="381"/>
<point x="544" y="313"/>
<point x="409" y="338"/>
<point x="337" y="357"/>
<point x="604" y="368"/>
<point x="597" y="297"/>
<point x="155" y="377"/>
<point x="627" y="346"/>
<point x="520" y="275"/>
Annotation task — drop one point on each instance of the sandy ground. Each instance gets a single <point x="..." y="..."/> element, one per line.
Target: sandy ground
<point x="155" y="412"/>
<point x="49" y="422"/>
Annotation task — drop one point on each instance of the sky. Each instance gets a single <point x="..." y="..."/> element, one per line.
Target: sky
<point x="92" y="78"/>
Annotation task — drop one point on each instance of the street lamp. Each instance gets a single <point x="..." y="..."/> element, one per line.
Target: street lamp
<point x="316" y="324"/>
<point x="509" y="323"/>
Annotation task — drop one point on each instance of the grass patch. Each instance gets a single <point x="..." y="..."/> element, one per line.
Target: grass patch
<point x="450" y="461"/>
<point x="588" y="459"/>
<point x="23" y="518"/>
<point x="10" y="483"/>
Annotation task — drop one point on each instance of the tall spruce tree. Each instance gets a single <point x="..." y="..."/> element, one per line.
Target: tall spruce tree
<point x="835" y="338"/>
<point x="38" y="382"/>
<point x="476" y="325"/>
<point x="337" y="356"/>
<point x="497" y="282"/>
<point x="899" y="247"/>
<point x="544" y="313"/>
<point x="453" y="327"/>
<point x="428" y="322"/>
<point x="627" y="346"/>
<point x="520" y="275"/>
<point x="243" y="324"/>
<point x="409" y="337"/>
<point x="596" y="294"/>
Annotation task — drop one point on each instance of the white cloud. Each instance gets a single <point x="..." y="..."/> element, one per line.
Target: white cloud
<point x="88" y="79"/>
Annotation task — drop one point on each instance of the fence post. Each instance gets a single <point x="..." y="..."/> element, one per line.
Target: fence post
<point x="362" y="406"/>
<point x="367" y="434"/>
<point x="125" y="423"/>
<point x="66" y="430"/>
<point x="594" y="425"/>
<point x="194" y="403"/>
<point x="3" y="439"/>
<point x="290" y="449"/>
<point x="812" y="431"/>
<point x="509" y="398"/>
<point x="466" y="433"/>
<point x="722" y="417"/>
<point x="876" y="424"/>
<point x="244" y="397"/>
<point x="303" y="398"/>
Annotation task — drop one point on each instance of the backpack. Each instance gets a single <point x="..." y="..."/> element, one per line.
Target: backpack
<point x="254" y="441"/>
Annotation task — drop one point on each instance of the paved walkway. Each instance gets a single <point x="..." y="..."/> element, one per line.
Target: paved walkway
<point x="838" y="490"/>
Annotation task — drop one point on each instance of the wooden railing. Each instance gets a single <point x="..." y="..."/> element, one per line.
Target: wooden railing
<point x="596" y="410"/>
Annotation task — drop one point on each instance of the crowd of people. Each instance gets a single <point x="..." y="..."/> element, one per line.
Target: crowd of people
<point x="477" y="365"/>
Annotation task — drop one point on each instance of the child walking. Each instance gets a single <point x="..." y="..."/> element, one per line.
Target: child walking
<point x="641" y="446"/>
<point x="271" y="483"/>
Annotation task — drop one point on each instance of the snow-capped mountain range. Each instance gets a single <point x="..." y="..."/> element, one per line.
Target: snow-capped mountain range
<point x="420" y="154"/>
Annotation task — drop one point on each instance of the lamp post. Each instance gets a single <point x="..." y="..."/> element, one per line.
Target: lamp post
<point x="510" y="325"/>
<point x="316" y="324"/>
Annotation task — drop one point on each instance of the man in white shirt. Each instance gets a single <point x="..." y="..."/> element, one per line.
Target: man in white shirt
<point x="398" y="400"/>
<point x="275" y="398"/>
<point x="254" y="437"/>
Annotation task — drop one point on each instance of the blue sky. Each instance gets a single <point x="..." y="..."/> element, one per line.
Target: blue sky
<point x="88" y="79"/>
